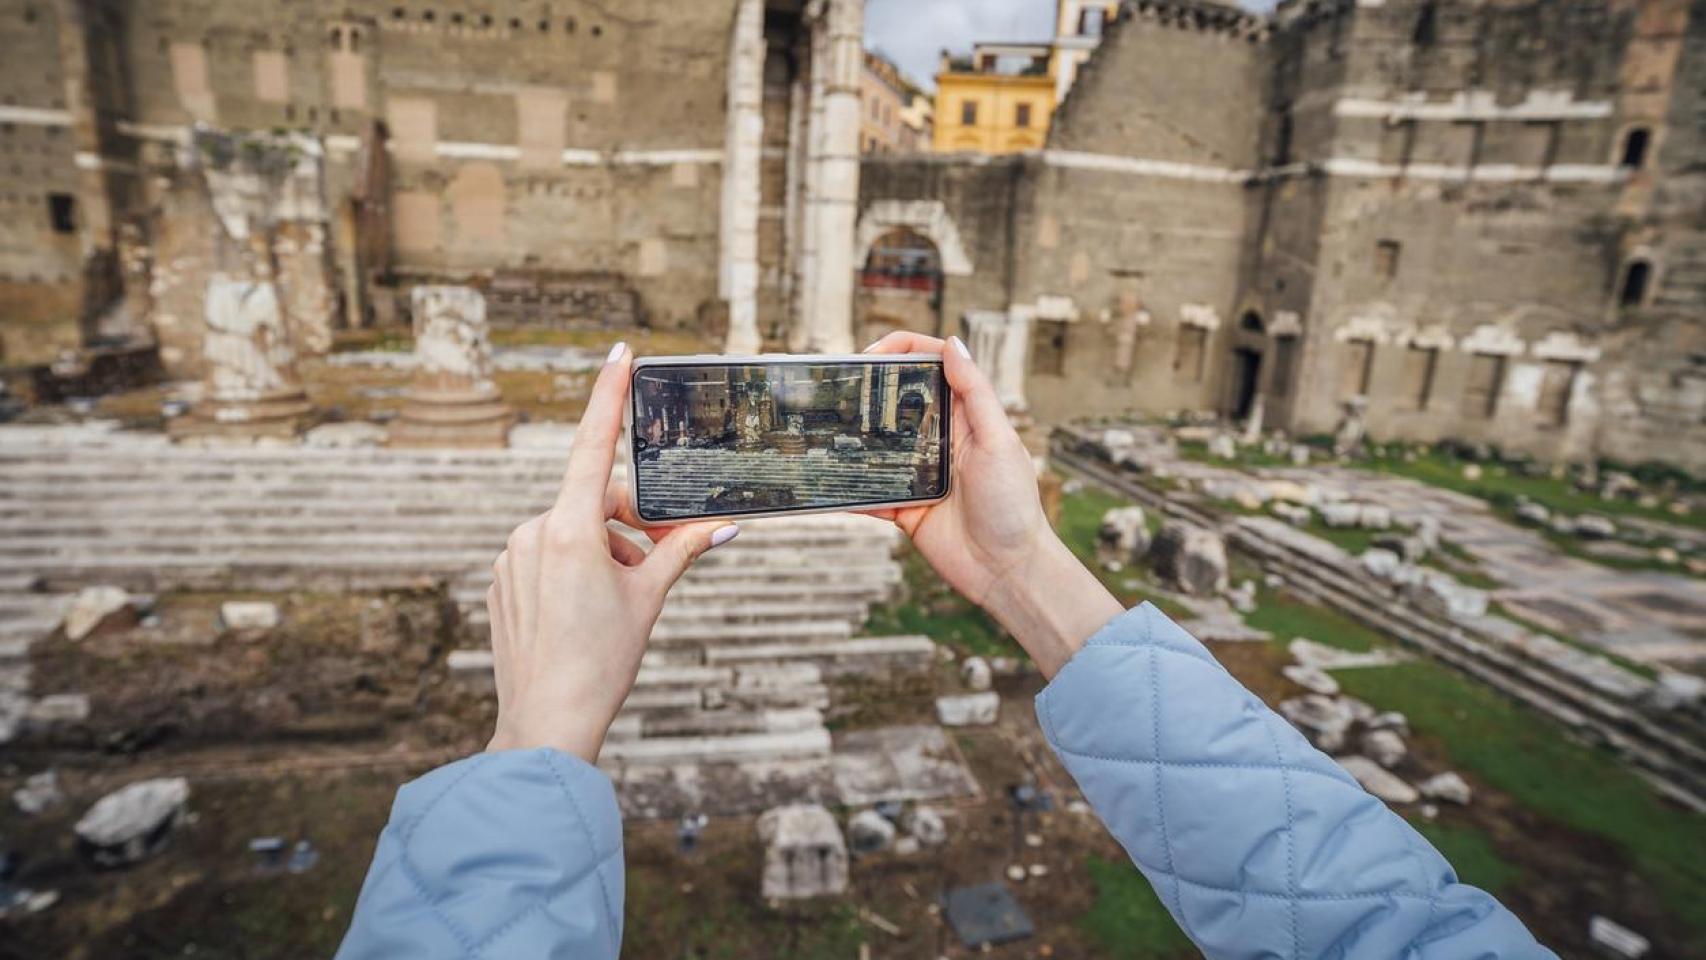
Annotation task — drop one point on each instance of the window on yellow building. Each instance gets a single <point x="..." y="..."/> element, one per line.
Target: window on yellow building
<point x="1022" y="115"/>
<point x="968" y="113"/>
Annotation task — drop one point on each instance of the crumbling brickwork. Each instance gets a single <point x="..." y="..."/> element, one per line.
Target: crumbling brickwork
<point x="1483" y="218"/>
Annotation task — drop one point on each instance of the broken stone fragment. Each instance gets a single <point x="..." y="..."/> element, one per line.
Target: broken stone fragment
<point x="968" y="709"/>
<point x="1377" y="780"/>
<point x="1409" y="548"/>
<point x="1341" y="515"/>
<point x="869" y="832"/>
<point x="1533" y="514"/>
<point x="1310" y="678"/>
<point x="1191" y="558"/>
<point x="1446" y="786"/>
<point x="1222" y="446"/>
<point x="1388" y="720"/>
<point x="93" y="608"/>
<point x="127" y="825"/>
<point x="1442" y="596"/>
<point x="1592" y="526"/>
<point x="926" y="825"/>
<point x="60" y="708"/>
<point x="1324" y="720"/>
<point x="1123" y="536"/>
<point x="39" y="793"/>
<point x="248" y="615"/>
<point x="976" y="673"/>
<point x="1677" y="691"/>
<point x="1616" y="940"/>
<point x="1384" y="747"/>
<point x="804" y="853"/>
<point x="1299" y="455"/>
<point x="1374" y="517"/>
<point x="1382" y="563"/>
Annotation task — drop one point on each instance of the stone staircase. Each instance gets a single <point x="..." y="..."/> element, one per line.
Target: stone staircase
<point x="739" y="672"/>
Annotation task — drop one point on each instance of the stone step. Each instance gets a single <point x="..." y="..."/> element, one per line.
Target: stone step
<point x="712" y="610"/>
<point x="19" y="583"/>
<point x="713" y="723"/>
<point x="786" y="745"/>
<point x="729" y="634"/>
<point x="835" y="657"/>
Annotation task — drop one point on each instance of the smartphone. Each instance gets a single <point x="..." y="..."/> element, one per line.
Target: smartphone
<point x="716" y="436"/>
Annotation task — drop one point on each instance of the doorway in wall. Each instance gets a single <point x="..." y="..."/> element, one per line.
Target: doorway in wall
<point x="1246" y="377"/>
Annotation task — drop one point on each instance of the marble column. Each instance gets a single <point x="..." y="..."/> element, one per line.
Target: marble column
<point x="836" y="194"/>
<point x="251" y="387"/>
<point x="742" y="157"/>
<point x="1000" y="342"/>
<point x="452" y="401"/>
<point x="800" y="330"/>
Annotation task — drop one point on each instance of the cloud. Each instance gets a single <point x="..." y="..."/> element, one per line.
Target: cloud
<point x="913" y="33"/>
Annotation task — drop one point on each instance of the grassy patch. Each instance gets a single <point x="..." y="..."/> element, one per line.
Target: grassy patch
<point x="1557" y="494"/>
<point x="932" y="608"/>
<point x="1127" y="919"/>
<point x="1526" y="755"/>
<point x="1287" y="617"/>
<point x="1080" y="518"/>
<point x="1470" y="853"/>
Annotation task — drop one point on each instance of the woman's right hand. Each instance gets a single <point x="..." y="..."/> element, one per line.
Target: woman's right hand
<point x="989" y="538"/>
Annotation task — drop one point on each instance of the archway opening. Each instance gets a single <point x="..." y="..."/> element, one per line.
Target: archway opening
<point x="1635" y="145"/>
<point x="1637" y="276"/>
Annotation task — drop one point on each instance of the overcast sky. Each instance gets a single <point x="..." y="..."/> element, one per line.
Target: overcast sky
<point x="912" y="33"/>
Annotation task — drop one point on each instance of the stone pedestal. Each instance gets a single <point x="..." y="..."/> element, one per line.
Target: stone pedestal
<point x="252" y="388"/>
<point x="452" y="401"/>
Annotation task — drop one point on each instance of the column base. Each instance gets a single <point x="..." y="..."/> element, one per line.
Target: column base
<point x="464" y="419"/>
<point x="277" y="416"/>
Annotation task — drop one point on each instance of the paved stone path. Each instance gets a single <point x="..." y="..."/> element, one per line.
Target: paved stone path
<point x="728" y="712"/>
<point x="682" y="480"/>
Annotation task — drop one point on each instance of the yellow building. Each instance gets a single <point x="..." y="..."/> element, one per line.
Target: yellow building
<point x="998" y="100"/>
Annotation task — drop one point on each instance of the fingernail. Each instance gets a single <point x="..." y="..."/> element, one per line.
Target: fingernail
<point x="725" y="534"/>
<point x="616" y="352"/>
<point x="960" y="345"/>
<point x="873" y="346"/>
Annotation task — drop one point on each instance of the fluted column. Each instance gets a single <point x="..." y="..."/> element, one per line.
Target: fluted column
<point x="742" y="157"/>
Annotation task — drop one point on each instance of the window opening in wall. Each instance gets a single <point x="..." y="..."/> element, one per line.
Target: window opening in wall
<point x="1282" y="138"/>
<point x="456" y="18"/>
<point x="29" y="14"/>
<point x="1418" y="385"/>
<point x="597" y="31"/>
<point x="1481" y="391"/>
<point x="569" y="25"/>
<point x="1359" y="365"/>
<point x="1557" y="382"/>
<point x="1635" y="144"/>
<point x="336" y="39"/>
<point x="1048" y="348"/>
<point x="515" y="23"/>
<point x="355" y="41"/>
<point x="1427" y="25"/>
<point x="1636" y="277"/>
<point x="428" y="16"/>
<point x="486" y="20"/>
<point x="1090" y="21"/>
<point x="1188" y="358"/>
<point x="968" y="113"/>
<point x="1285" y="354"/>
<point x="544" y="26"/>
<point x="62" y="212"/>
<point x="398" y="13"/>
<point x="1022" y="115"/>
<point x="1252" y="321"/>
<point x="1386" y="259"/>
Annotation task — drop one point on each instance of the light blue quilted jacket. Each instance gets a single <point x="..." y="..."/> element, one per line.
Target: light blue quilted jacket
<point x="1259" y="845"/>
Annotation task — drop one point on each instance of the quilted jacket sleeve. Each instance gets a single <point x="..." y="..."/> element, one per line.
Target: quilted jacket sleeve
<point x="514" y="854"/>
<point x="1258" y="844"/>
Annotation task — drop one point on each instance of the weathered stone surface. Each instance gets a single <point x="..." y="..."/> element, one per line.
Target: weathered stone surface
<point x="353" y="435"/>
<point x="1388" y="720"/>
<point x="1381" y="563"/>
<point x="1377" y="780"/>
<point x="1614" y="939"/>
<point x="93" y="607"/>
<point x="1123" y="536"/>
<point x="1300" y="455"/>
<point x="248" y="615"/>
<point x="976" y="673"/>
<point x="1409" y="548"/>
<point x="1446" y="786"/>
<point x="1677" y="691"/>
<point x="1533" y="514"/>
<point x="1341" y="515"/>
<point x="1191" y="558"/>
<point x="1442" y="596"/>
<point x="869" y="832"/>
<point x="1593" y="526"/>
<point x="129" y="824"/>
<point x="968" y="709"/>
<point x="252" y="384"/>
<point x="1324" y="720"/>
<point x="1384" y="747"/>
<point x="39" y="793"/>
<point x="452" y="400"/>
<point x="60" y="708"/>
<point x="1374" y="517"/>
<point x="925" y="824"/>
<point x="804" y="853"/>
<point x="1313" y="679"/>
<point x="1223" y="445"/>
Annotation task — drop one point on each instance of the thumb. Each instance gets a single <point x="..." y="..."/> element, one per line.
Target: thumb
<point x="673" y="554"/>
<point x="979" y="404"/>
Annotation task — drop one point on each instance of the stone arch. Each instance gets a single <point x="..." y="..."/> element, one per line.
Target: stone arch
<point x="928" y="218"/>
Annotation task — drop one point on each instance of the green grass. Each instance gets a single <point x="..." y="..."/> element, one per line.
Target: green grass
<point x="1555" y="493"/>
<point x="932" y="608"/>
<point x="1471" y="854"/>
<point x="1248" y="456"/>
<point x="1287" y="617"/>
<point x="1527" y="756"/>
<point x="1080" y="518"/>
<point x="1127" y="918"/>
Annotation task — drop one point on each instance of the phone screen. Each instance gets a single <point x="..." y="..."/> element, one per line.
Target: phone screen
<point x="716" y="439"/>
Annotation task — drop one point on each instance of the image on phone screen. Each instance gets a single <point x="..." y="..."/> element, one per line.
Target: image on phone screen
<point x="751" y="437"/>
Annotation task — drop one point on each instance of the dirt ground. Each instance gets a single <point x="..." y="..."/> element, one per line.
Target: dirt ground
<point x="306" y="731"/>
